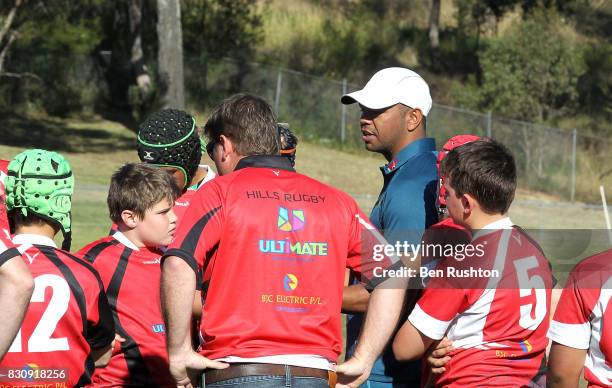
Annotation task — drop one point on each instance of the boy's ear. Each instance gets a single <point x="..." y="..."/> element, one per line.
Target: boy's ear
<point x="129" y="218"/>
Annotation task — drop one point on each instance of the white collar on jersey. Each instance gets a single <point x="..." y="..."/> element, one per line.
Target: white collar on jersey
<point x="125" y="241"/>
<point x="504" y="223"/>
<point x="210" y="174"/>
<point x="27" y="239"/>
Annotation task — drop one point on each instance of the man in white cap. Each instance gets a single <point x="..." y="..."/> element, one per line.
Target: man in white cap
<point x="394" y="105"/>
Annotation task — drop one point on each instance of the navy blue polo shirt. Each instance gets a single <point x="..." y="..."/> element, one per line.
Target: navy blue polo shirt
<point x="405" y="207"/>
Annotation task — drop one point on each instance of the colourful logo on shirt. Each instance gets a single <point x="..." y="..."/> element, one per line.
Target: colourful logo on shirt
<point x="526" y="346"/>
<point x="290" y="282"/>
<point x="298" y="248"/>
<point x="391" y="165"/>
<point x="290" y="221"/>
<point x="159" y="328"/>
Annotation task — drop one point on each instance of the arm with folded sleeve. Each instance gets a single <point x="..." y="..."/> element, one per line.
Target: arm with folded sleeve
<point x="16" y="287"/>
<point x="384" y="306"/>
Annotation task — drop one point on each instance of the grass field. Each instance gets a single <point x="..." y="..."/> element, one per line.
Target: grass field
<point x="96" y="148"/>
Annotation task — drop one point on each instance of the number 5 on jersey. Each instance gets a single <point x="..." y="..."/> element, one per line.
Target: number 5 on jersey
<point x="527" y="286"/>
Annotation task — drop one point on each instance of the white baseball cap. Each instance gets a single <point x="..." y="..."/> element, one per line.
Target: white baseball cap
<point x="390" y="86"/>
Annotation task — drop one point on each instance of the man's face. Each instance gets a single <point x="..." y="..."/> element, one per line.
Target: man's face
<point x="177" y="175"/>
<point x="381" y="129"/>
<point x="158" y="225"/>
<point x="454" y="204"/>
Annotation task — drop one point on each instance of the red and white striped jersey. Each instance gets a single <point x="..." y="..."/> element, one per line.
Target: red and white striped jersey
<point x="497" y="320"/>
<point x="583" y="319"/>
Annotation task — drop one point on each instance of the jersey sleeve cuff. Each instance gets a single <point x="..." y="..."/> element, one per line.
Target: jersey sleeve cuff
<point x="8" y="254"/>
<point x="574" y="335"/>
<point x="183" y="255"/>
<point x="375" y="281"/>
<point x="428" y="325"/>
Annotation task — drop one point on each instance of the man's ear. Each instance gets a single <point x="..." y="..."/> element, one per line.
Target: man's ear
<point x="129" y="218"/>
<point x="413" y="119"/>
<point x="227" y="147"/>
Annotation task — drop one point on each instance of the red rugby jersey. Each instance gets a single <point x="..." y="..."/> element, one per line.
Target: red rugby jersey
<point x="498" y="323"/>
<point x="274" y="245"/>
<point x="583" y="319"/>
<point x="132" y="281"/>
<point x="68" y="316"/>
<point x="7" y="250"/>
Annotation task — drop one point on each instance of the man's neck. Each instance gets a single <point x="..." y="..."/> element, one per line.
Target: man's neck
<point x="198" y="177"/>
<point x="483" y="219"/>
<point x="405" y="142"/>
<point x="41" y="230"/>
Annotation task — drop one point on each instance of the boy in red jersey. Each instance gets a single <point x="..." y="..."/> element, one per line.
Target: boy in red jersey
<point x="68" y="328"/>
<point x="497" y="315"/>
<point x="581" y="329"/>
<point x="140" y="200"/>
<point x="16" y="284"/>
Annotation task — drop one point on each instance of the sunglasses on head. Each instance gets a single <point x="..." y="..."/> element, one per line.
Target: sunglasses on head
<point x="210" y="146"/>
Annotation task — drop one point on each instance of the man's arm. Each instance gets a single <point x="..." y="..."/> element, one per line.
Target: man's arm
<point x="16" y="287"/>
<point x="177" y="296"/>
<point x="381" y="319"/>
<point x="564" y="366"/>
<point x="409" y="343"/>
<point x="355" y="299"/>
<point x="197" y="305"/>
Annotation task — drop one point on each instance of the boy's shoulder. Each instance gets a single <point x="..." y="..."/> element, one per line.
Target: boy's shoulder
<point x="104" y="245"/>
<point x="67" y="265"/>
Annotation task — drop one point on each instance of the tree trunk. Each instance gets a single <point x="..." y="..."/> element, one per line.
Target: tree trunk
<point x="434" y="35"/>
<point x="5" y="43"/>
<point x="170" y="54"/>
<point x="137" y="63"/>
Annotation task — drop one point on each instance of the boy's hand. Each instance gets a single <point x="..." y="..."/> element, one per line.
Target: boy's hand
<point x="116" y="344"/>
<point x="186" y="367"/>
<point x="440" y="356"/>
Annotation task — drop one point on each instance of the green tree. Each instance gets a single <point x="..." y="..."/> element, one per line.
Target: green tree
<point x="532" y="71"/>
<point x="221" y="27"/>
<point x="52" y="41"/>
<point x="215" y="29"/>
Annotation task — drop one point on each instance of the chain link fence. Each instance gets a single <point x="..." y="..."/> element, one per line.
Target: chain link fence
<point x="563" y="163"/>
<point x="556" y="161"/>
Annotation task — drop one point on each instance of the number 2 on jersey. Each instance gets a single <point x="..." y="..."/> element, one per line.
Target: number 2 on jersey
<point x="40" y="340"/>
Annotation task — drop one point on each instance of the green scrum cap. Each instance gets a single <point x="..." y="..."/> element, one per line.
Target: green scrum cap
<point x="41" y="182"/>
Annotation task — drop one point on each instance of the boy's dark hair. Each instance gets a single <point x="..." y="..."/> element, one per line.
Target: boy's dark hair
<point x="248" y="121"/>
<point x="139" y="187"/>
<point x="484" y="169"/>
<point x="288" y="142"/>
<point x="17" y="219"/>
